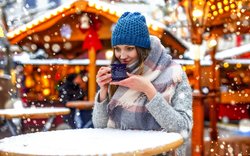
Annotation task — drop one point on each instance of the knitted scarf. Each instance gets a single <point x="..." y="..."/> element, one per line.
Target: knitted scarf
<point x="126" y="109"/>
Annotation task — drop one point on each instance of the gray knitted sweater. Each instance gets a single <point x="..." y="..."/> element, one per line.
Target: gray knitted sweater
<point x="176" y="118"/>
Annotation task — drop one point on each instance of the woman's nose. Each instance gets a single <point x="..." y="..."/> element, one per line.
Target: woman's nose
<point x="123" y="55"/>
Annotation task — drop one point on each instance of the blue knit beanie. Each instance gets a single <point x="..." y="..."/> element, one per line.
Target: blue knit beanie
<point x="131" y="29"/>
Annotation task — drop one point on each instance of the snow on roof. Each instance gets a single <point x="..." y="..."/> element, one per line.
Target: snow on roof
<point x="21" y="57"/>
<point x="98" y="62"/>
<point x="25" y="58"/>
<point x="5" y="76"/>
<point x="229" y="53"/>
<point x="44" y="61"/>
<point x="32" y="110"/>
<point x="86" y="142"/>
<point x="235" y="61"/>
<point x="191" y="62"/>
<point x="99" y="5"/>
<point x="61" y="61"/>
<point x="103" y="62"/>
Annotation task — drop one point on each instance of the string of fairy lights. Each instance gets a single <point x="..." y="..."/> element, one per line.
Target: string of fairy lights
<point x="1" y="32"/>
<point x="98" y="5"/>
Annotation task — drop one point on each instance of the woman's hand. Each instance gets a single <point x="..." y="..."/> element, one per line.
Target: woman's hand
<point x="139" y="83"/>
<point x="103" y="79"/>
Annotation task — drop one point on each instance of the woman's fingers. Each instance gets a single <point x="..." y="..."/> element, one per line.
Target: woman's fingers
<point x="129" y="74"/>
<point x="103" y="70"/>
<point x="122" y="82"/>
<point x="102" y="74"/>
<point x="105" y="81"/>
<point x="103" y="77"/>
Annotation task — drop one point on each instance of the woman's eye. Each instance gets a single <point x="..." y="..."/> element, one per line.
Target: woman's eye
<point x="116" y="49"/>
<point x="130" y="48"/>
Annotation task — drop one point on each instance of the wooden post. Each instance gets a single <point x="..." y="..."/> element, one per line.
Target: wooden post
<point x="92" y="74"/>
<point x="212" y="101"/>
<point x="198" y="110"/>
<point x="198" y="127"/>
<point x="197" y="75"/>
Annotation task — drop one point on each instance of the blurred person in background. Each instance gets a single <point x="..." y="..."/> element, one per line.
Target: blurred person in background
<point x="75" y="89"/>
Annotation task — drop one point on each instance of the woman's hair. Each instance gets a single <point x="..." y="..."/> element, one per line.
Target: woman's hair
<point x="142" y="55"/>
<point x="71" y="77"/>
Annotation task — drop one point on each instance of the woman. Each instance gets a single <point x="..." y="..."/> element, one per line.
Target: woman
<point x="155" y="96"/>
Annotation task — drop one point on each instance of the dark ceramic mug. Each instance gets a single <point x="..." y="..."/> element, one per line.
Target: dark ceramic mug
<point x="118" y="71"/>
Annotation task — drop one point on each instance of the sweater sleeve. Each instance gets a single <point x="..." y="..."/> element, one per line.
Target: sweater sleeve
<point x="178" y="117"/>
<point x="100" y="116"/>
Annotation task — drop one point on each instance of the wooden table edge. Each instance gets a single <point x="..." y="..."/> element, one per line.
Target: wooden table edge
<point x="80" y="104"/>
<point x="199" y="95"/>
<point x="154" y="151"/>
<point x="35" y="116"/>
<point x="148" y="151"/>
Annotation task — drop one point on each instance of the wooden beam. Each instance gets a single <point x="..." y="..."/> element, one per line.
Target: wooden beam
<point x="92" y="74"/>
<point x="212" y="101"/>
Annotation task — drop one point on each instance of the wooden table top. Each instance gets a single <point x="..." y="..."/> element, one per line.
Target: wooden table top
<point x="80" y="104"/>
<point x="91" y="142"/>
<point x="38" y="112"/>
<point x="200" y="95"/>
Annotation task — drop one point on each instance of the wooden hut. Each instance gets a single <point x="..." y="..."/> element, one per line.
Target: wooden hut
<point x="213" y="18"/>
<point x="79" y="30"/>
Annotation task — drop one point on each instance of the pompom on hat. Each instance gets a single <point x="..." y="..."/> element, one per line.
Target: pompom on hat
<point x="131" y="29"/>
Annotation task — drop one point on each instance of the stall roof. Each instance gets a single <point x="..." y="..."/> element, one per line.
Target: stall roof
<point x="62" y="62"/>
<point x="107" y="10"/>
<point x="4" y="76"/>
<point x="236" y="61"/>
<point x="45" y="21"/>
<point x="191" y="62"/>
<point x="232" y="53"/>
<point x="219" y="16"/>
<point x="107" y="62"/>
<point x="98" y="62"/>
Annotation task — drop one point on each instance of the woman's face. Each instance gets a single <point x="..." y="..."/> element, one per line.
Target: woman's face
<point x="126" y="54"/>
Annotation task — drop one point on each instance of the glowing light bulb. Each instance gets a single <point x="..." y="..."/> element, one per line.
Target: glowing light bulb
<point x="197" y="13"/>
<point x="155" y="28"/>
<point x="225" y="65"/>
<point x="91" y="4"/>
<point x="109" y="54"/>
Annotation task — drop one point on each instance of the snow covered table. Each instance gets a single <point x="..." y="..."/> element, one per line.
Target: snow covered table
<point x="91" y="142"/>
<point x="25" y="113"/>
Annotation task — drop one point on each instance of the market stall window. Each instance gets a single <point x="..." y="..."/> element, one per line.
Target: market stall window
<point x="235" y="92"/>
<point x="43" y="81"/>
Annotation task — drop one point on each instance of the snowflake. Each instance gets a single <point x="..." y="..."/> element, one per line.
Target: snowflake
<point x="184" y="133"/>
<point x="182" y="95"/>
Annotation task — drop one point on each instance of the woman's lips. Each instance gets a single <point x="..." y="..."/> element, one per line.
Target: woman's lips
<point x="126" y="62"/>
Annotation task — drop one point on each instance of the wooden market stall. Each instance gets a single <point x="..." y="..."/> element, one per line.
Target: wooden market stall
<point x="233" y="102"/>
<point x="79" y="30"/>
<point x="234" y="82"/>
<point x="211" y="19"/>
<point x="235" y="90"/>
<point x="42" y="80"/>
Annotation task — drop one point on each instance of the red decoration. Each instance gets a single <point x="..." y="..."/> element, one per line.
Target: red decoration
<point x="238" y="41"/>
<point x="57" y="76"/>
<point x="244" y="56"/>
<point x="233" y="112"/>
<point x="92" y="39"/>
